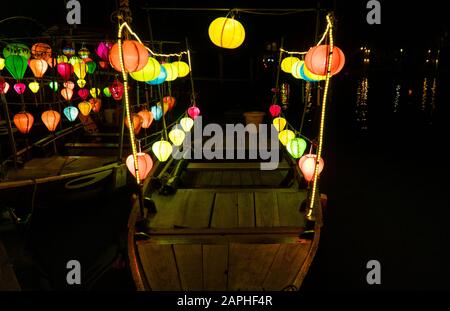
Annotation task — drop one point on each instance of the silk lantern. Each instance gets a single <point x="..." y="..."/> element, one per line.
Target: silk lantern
<point x="275" y="110"/>
<point x="68" y="51"/>
<point x="193" y="112"/>
<point x="135" y="56"/>
<point x="71" y="113"/>
<point x="34" y="87"/>
<point x="80" y="70"/>
<point x="65" y="70"/>
<point x="170" y="101"/>
<point x="116" y="89"/>
<point x="69" y="85"/>
<point x="156" y="112"/>
<point x="137" y="122"/>
<point x="84" y="53"/>
<point x="307" y="165"/>
<point x="147" y="117"/>
<point x="151" y="71"/>
<point x="90" y="67"/>
<point x="295" y="70"/>
<point x="182" y="68"/>
<point x="161" y="77"/>
<point x="279" y="123"/>
<point x="106" y="92"/>
<point x="17" y="49"/>
<point x="226" y="32"/>
<point x="41" y="51"/>
<point x="103" y="49"/>
<point x="75" y="60"/>
<point x="67" y="93"/>
<point x="288" y="62"/>
<point x="19" y="88"/>
<point x="85" y="108"/>
<point x="83" y="93"/>
<point x="317" y="60"/>
<point x="162" y="150"/>
<point x="96" y="104"/>
<point x="51" y="119"/>
<point x="16" y="66"/>
<point x="53" y="85"/>
<point x="81" y="83"/>
<point x="285" y="135"/>
<point x="38" y="67"/>
<point x="24" y="121"/>
<point x="171" y="71"/>
<point x="296" y="147"/>
<point x="4" y="86"/>
<point x="177" y="136"/>
<point x="186" y="124"/>
<point x="94" y="92"/>
<point x="145" y="164"/>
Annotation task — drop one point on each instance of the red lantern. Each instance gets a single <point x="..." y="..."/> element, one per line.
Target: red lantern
<point x="96" y="103"/>
<point x="4" y="86"/>
<point x="67" y="93"/>
<point x="135" y="56"/>
<point x="193" y="112"/>
<point x="51" y="119"/>
<point x="20" y="88"/>
<point x="24" y="121"/>
<point x="83" y="93"/>
<point x="169" y="101"/>
<point x="145" y="164"/>
<point x="316" y="60"/>
<point x="275" y="110"/>
<point x="137" y="122"/>
<point x="116" y="90"/>
<point x="307" y="165"/>
<point x="65" y="70"/>
<point x="38" y="67"/>
<point x="147" y="118"/>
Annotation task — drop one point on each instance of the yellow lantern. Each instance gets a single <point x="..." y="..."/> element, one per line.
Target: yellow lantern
<point x="94" y="92"/>
<point x="285" y="136"/>
<point x="279" y="123"/>
<point x="226" y="32"/>
<point x="34" y="87"/>
<point x="2" y="63"/>
<point x="85" y="107"/>
<point x="182" y="67"/>
<point x="62" y="59"/>
<point x="288" y="62"/>
<point x="312" y="76"/>
<point x="80" y="70"/>
<point x="295" y="70"/>
<point x="162" y="150"/>
<point x="186" y="124"/>
<point x="81" y="83"/>
<point x="177" y="136"/>
<point x="171" y="70"/>
<point x="151" y="71"/>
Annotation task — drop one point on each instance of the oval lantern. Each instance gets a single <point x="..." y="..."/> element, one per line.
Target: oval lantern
<point x="226" y="32"/>
<point x="177" y="136"/>
<point x="145" y="164"/>
<point x="151" y="71"/>
<point x="4" y="86"/>
<point x="310" y="75"/>
<point x="296" y="147"/>
<point x="156" y="112"/>
<point x="161" y="77"/>
<point x="67" y="93"/>
<point x="90" y="67"/>
<point x="170" y="101"/>
<point x="186" y="124"/>
<point x="51" y="119"/>
<point x="24" y="121"/>
<point x="171" y="71"/>
<point x="34" y="87"/>
<point x="65" y="70"/>
<point x="85" y="108"/>
<point x="147" y="118"/>
<point x="38" y="67"/>
<point x="279" y="123"/>
<point x="288" y="62"/>
<point x="81" y="83"/>
<point x="275" y="110"/>
<point x="41" y="51"/>
<point x="116" y="89"/>
<point x="106" y="91"/>
<point x="19" y="88"/>
<point x="317" y="60"/>
<point x="83" y="93"/>
<point x="307" y="165"/>
<point x="285" y="135"/>
<point x="137" y="122"/>
<point x="135" y="56"/>
<point x="80" y="70"/>
<point x="71" y="113"/>
<point x="96" y="104"/>
<point x="182" y="68"/>
<point x="16" y="66"/>
<point x="193" y="112"/>
<point x="296" y="69"/>
<point x="162" y="150"/>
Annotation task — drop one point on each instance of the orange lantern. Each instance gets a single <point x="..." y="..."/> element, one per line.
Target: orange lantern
<point x="67" y="93"/>
<point x="147" y="118"/>
<point x="316" y="60"/>
<point x="145" y="164"/>
<point x="170" y="101"/>
<point x="24" y="121"/>
<point x="51" y="119"/>
<point x="96" y="104"/>
<point x="135" y="56"/>
<point x="84" y="107"/>
<point x="307" y="165"/>
<point x="38" y="67"/>
<point x="137" y="122"/>
<point x="41" y="51"/>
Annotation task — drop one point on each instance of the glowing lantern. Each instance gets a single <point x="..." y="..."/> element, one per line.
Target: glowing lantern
<point x="83" y="93"/>
<point x="162" y="150"/>
<point x="80" y="70"/>
<point x="161" y="77"/>
<point x="96" y="104"/>
<point x="53" y="85"/>
<point x="16" y="66"/>
<point x="288" y="62"/>
<point x="94" y="92"/>
<point x="296" y="69"/>
<point x="106" y="92"/>
<point x="81" y="83"/>
<point x="24" y="121"/>
<point x="296" y="147"/>
<point x="226" y="32"/>
<point x="275" y="110"/>
<point x="69" y="85"/>
<point x="286" y="135"/>
<point x="137" y="120"/>
<point x="116" y="89"/>
<point x="177" y="136"/>
<point x="135" y="56"/>
<point x="317" y="60"/>
<point x="102" y="50"/>
<point x="186" y="124"/>
<point x="17" y="49"/>
<point x="41" y="51"/>
<point x="34" y="87"/>
<point x="311" y="75"/>
<point x="103" y="64"/>
<point x="75" y="60"/>
<point x="156" y="112"/>
<point x="85" y="108"/>
<point x="19" y="88"/>
<point x="171" y="70"/>
<point x="51" y="61"/>
<point x="193" y="112"/>
<point x="62" y="59"/>
<point x="51" y="119"/>
<point x="170" y="101"/>
<point x="302" y="74"/>
<point x="145" y="164"/>
<point x="91" y="66"/>
<point x="68" y="51"/>
<point x="2" y="63"/>
<point x="151" y="71"/>
<point x="182" y="68"/>
<point x="84" y="53"/>
<point x="38" y="67"/>
<point x="65" y="70"/>
<point x="307" y="165"/>
<point x="4" y="86"/>
<point x="71" y="113"/>
<point x="147" y="118"/>
<point x="67" y="93"/>
<point x="279" y="123"/>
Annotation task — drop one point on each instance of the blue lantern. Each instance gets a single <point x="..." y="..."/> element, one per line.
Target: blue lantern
<point x="71" y="113"/>
<point x="157" y="112"/>
<point x="303" y="76"/>
<point x="160" y="79"/>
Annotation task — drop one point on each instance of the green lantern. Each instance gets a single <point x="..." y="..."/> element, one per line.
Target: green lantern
<point x="296" y="147"/>
<point x="17" y="49"/>
<point x="53" y="85"/>
<point x="107" y="92"/>
<point x="16" y="65"/>
<point x="91" y="66"/>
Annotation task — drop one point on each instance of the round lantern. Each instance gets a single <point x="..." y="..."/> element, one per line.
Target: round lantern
<point x="285" y="135"/>
<point x="308" y="74"/>
<point x="19" y="88"/>
<point x="186" y="124"/>
<point x="317" y="60"/>
<point x="83" y="93"/>
<point x="67" y="93"/>
<point x="156" y="112"/>
<point x="296" y="147"/>
<point x="80" y="70"/>
<point x="41" y="51"/>
<point x="177" y="136"/>
<point x="279" y="123"/>
<point x="4" y="86"/>
<point x="295" y="70"/>
<point x="226" y="32"/>
<point x="53" y="85"/>
<point x="85" y="108"/>
<point x="65" y="70"/>
<point x="16" y="66"/>
<point x="145" y="164"/>
<point x="38" y="67"/>
<point x="96" y="104"/>
<point x="182" y="68"/>
<point x="275" y="110"/>
<point x="193" y="112"/>
<point x="171" y="70"/>
<point x="71" y="113"/>
<point x="116" y="89"/>
<point x="106" y="91"/>
<point x="147" y="118"/>
<point x="288" y="62"/>
<point x="51" y="119"/>
<point x="162" y="150"/>
<point x="94" y="92"/>
<point x="24" y="121"/>
<point x="34" y="87"/>
<point x="151" y="71"/>
<point x="161" y="77"/>
<point x="137" y="122"/>
<point x="307" y="165"/>
<point x="135" y="56"/>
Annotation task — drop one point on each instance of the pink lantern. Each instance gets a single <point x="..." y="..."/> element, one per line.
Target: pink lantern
<point x="145" y="164"/>
<point x="193" y="112"/>
<point x="116" y="89"/>
<point x="102" y="50"/>
<point x="4" y="86"/>
<point x="275" y="110"/>
<point x="65" y="70"/>
<point x="20" y="88"/>
<point x="307" y="165"/>
<point x="83" y="93"/>
<point x="69" y="85"/>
